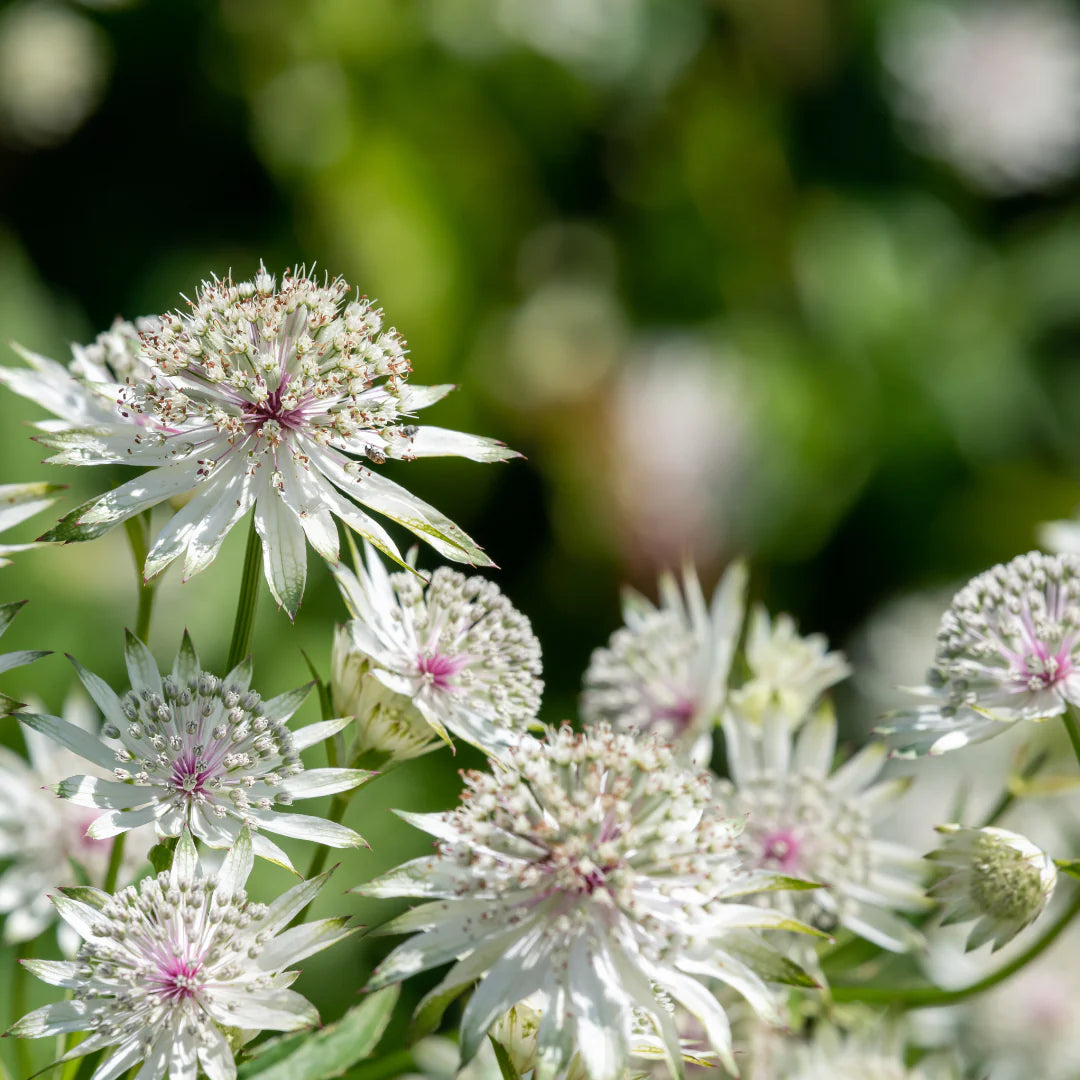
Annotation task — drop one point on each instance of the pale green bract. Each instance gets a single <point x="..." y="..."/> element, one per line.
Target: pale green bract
<point x="258" y="398"/>
<point x="171" y="968"/>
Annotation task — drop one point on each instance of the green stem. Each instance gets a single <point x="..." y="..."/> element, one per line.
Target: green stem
<point x="138" y="531"/>
<point x="1069" y="716"/>
<point x="1028" y="772"/>
<point x="116" y="860"/>
<point x="921" y="997"/>
<point x="245" y="605"/>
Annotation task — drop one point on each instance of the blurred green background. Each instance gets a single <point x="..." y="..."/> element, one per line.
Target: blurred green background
<point x="688" y="256"/>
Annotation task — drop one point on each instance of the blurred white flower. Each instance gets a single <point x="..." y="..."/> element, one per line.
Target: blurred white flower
<point x="596" y="870"/>
<point x="42" y="835"/>
<point x="677" y="451"/>
<point x="998" y="879"/>
<point x="54" y="66"/>
<point x="171" y="969"/>
<point x="805" y="821"/>
<point x="453" y="650"/>
<point x="189" y="750"/>
<point x="1008" y="649"/>
<point x="787" y="673"/>
<point x="666" y="670"/>
<point x="993" y="88"/>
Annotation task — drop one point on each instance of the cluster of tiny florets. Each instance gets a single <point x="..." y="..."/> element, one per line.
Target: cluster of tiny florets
<point x="1012" y="633"/>
<point x="250" y="360"/>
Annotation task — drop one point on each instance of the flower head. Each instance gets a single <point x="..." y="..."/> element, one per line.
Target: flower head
<point x="260" y="397"/>
<point x="596" y="870"/>
<point x="42" y="835"/>
<point x="449" y="656"/>
<point x="804" y="821"/>
<point x="1008" y="649"/>
<point x="992" y="88"/>
<point x="191" y="750"/>
<point x="997" y="878"/>
<point x="169" y="967"/>
<point x="666" y="670"/>
<point x="787" y="673"/>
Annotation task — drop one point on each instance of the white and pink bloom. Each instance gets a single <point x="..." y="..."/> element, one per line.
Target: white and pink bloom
<point x="596" y="870"/>
<point x="422" y="661"/>
<point x="259" y="397"/>
<point x="1008" y="650"/>
<point x="171" y="969"/>
<point x="189" y="750"/>
<point x="666" y="670"/>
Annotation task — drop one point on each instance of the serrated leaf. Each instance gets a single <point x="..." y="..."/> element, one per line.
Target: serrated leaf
<point x="506" y="1066"/>
<point x="329" y="1052"/>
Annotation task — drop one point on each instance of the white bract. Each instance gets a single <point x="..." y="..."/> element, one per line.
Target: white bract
<point x="805" y="821"/>
<point x="267" y="398"/>
<point x="1008" y="649"/>
<point x="992" y="88"/>
<point x="787" y="673"/>
<point x="17" y="503"/>
<point x="42" y="836"/>
<point x="13" y="659"/>
<point x="171" y="969"/>
<point x="998" y="879"/>
<point x="191" y="750"/>
<point x="452" y="656"/>
<point x="596" y="870"/>
<point x="666" y="670"/>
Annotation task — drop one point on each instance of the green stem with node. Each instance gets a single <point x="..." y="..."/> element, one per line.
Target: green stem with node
<point x="921" y="997"/>
<point x="249" y="594"/>
<point x="138" y="532"/>
<point x="1072" y="730"/>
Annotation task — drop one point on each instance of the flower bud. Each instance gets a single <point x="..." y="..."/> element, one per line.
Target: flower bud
<point x="998" y="878"/>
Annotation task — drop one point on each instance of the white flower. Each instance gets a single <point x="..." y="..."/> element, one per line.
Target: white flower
<point x="874" y="1054"/>
<point x="43" y="835"/>
<point x="267" y="398"/>
<point x="190" y="750"/>
<point x="14" y="659"/>
<point x="787" y="673"/>
<point x="997" y="878"/>
<point x="666" y="670"/>
<point x="594" y="869"/>
<point x="992" y="88"/>
<point x="804" y="821"/>
<point x="1008" y="649"/>
<point x="17" y="503"/>
<point x="170" y="969"/>
<point x="454" y="646"/>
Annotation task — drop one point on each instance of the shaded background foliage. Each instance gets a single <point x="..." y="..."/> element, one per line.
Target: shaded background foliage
<point x="678" y="252"/>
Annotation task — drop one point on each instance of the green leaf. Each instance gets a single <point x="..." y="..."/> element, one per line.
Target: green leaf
<point x="769" y="964"/>
<point x="429" y="1012"/>
<point x="330" y="1051"/>
<point x="506" y="1066"/>
<point x="1068" y="866"/>
<point x="161" y="854"/>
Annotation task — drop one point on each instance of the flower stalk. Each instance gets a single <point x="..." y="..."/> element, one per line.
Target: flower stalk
<point x="244" y="623"/>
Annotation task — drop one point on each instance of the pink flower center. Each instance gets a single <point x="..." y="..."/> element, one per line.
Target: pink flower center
<point x="188" y="777"/>
<point x="1041" y="670"/>
<point x="177" y="979"/>
<point x="439" y="670"/>
<point x="679" y="713"/>
<point x="780" y="849"/>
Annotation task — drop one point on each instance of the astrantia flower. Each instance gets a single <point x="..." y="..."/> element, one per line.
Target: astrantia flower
<point x="13" y="659"/>
<point x="787" y="673"/>
<point x="42" y="835"/>
<point x="169" y="969"/>
<point x="992" y="88"/>
<point x="875" y="1054"/>
<point x="268" y="398"/>
<point x="455" y="648"/>
<point x="807" y="822"/>
<point x="17" y="503"/>
<point x="666" y="670"/>
<point x="191" y="750"/>
<point x="997" y="878"/>
<point x="594" y="869"/>
<point x="1008" y="649"/>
